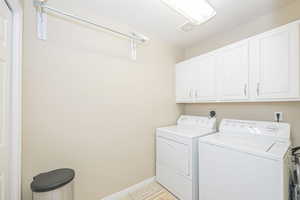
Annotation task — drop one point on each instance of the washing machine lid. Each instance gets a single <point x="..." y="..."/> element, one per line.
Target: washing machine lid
<point x="257" y="146"/>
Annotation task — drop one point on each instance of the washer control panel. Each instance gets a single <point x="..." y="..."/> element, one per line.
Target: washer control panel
<point x="197" y="121"/>
<point x="273" y="129"/>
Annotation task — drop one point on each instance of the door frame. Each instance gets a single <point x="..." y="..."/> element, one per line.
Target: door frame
<point x="16" y="8"/>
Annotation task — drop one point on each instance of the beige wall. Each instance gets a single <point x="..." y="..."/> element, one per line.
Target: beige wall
<point x="251" y="111"/>
<point x="87" y="106"/>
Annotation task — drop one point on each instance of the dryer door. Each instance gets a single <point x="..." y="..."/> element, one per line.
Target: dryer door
<point x="174" y="155"/>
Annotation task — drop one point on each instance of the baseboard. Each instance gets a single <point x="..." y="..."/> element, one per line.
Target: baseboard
<point x="124" y="192"/>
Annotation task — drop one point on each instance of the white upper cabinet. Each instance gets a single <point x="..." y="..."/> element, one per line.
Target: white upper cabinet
<point x="275" y="63"/>
<point x="195" y="79"/>
<point x="184" y="81"/>
<point x="233" y="71"/>
<point x="204" y="81"/>
<point x="262" y="68"/>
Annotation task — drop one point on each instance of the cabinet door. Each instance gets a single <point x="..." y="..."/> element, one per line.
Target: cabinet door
<point x="184" y="81"/>
<point x="275" y="64"/>
<point x="233" y="71"/>
<point x="204" y="78"/>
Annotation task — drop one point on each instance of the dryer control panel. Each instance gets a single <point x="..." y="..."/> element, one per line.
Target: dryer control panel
<point x="272" y="129"/>
<point x="197" y="122"/>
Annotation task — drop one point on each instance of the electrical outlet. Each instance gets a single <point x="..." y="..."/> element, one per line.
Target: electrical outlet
<point x="278" y="115"/>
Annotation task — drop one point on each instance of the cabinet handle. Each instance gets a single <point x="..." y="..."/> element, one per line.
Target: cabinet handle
<point x="188" y="92"/>
<point x="245" y="89"/>
<point x="257" y="88"/>
<point x="191" y="93"/>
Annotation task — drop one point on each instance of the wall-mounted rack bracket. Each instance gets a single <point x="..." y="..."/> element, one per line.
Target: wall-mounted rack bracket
<point x="41" y="6"/>
<point x="41" y="18"/>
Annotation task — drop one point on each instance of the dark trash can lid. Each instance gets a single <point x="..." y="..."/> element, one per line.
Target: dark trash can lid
<point x="52" y="180"/>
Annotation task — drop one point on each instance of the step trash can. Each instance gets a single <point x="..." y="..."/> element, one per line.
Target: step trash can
<point x="53" y="185"/>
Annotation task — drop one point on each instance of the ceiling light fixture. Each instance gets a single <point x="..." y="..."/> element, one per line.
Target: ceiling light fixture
<point x="196" y="11"/>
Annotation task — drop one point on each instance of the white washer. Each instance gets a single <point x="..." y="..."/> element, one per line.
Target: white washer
<point x="177" y="155"/>
<point x="246" y="160"/>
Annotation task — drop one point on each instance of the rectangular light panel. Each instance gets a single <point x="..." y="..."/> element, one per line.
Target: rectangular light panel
<point x="196" y="11"/>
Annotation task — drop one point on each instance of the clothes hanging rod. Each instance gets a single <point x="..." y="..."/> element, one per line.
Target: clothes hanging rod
<point x="41" y="6"/>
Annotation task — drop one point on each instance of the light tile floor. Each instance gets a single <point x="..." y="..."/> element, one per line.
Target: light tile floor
<point x="152" y="191"/>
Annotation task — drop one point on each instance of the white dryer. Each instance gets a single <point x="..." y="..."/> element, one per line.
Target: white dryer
<point x="246" y="160"/>
<point x="177" y="155"/>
